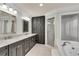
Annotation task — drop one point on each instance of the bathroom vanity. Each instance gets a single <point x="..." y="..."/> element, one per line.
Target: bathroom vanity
<point x="18" y="46"/>
<point x="13" y="43"/>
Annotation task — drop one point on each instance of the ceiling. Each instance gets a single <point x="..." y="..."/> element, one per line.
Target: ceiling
<point x="35" y="10"/>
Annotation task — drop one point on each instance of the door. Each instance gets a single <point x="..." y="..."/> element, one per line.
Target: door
<point x="50" y="32"/>
<point x="38" y="26"/>
<point x="27" y="45"/>
<point x="31" y="42"/>
<point x="20" y="48"/>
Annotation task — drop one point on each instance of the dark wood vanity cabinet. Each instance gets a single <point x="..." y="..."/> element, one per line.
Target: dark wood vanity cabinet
<point x="29" y="43"/>
<point x="20" y="48"/>
<point x="4" y="51"/>
<point x="26" y="46"/>
<point x="13" y="49"/>
<point x="32" y="42"/>
<point x="16" y="49"/>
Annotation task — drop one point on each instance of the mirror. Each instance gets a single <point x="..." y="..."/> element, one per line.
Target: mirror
<point x="7" y="24"/>
<point x="25" y="26"/>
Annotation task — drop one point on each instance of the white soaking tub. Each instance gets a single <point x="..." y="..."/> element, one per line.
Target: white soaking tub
<point x="68" y="48"/>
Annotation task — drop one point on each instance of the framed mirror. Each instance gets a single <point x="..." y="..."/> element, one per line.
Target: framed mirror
<point x="7" y="24"/>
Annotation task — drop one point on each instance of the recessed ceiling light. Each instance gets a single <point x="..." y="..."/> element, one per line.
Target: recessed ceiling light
<point x="41" y="4"/>
<point x="15" y="11"/>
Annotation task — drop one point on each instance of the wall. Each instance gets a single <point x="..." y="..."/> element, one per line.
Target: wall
<point x="19" y="20"/>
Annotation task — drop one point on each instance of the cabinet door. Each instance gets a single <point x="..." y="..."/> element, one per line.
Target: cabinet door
<point x="13" y="49"/>
<point x="4" y="51"/>
<point x="23" y="48"/>
<point x="20" y="48"/>
<point x="27" y="45"/>
<point x="31" y="42"/>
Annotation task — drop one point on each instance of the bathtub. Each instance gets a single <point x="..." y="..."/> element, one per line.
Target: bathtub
<point x="70" y="48"/>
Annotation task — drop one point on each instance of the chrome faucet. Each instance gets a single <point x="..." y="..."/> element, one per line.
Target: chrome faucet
<point x="65" y="43"/>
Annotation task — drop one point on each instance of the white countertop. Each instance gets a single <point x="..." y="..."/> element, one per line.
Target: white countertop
<point x="15" y="39"/>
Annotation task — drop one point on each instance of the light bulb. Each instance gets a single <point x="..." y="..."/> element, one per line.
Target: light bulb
<point x="15" y="12"/>
<point x="4" y="6"/>
<point x="10" y="9"/>
<point x="41" y="4"/>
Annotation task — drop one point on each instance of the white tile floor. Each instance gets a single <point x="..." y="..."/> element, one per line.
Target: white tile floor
<point x="42" y="50"/>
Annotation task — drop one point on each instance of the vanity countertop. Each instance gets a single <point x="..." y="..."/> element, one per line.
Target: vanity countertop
<point x="14" y="39"/>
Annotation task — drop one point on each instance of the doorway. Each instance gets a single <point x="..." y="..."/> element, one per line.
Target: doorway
<point x="50" y="32"/>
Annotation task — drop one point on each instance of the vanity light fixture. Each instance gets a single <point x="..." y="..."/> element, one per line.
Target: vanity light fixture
<point x="8" y="9"/>
<point x="41" y="4"/>
<point x="26" y="18"/>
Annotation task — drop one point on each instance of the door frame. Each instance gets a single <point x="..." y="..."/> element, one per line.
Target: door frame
<point x="46" y="20"/>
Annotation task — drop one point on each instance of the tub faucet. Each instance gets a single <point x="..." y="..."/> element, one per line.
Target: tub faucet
<point x="65" y="43"/>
